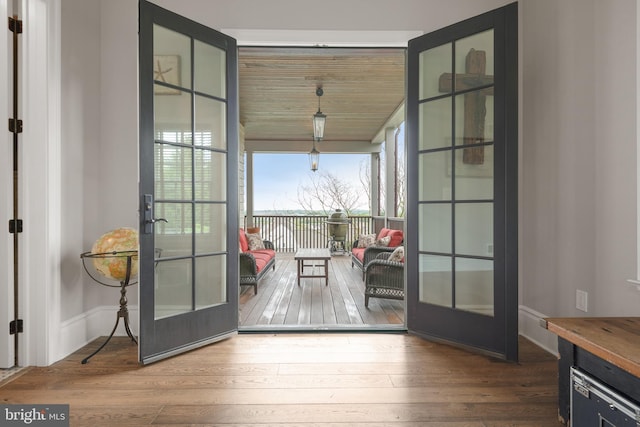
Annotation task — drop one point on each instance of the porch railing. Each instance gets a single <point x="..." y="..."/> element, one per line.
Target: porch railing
<point x="290" y="232"/>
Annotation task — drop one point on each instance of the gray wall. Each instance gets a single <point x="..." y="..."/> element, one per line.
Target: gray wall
<point x="99" y="140"/>
<point x="578" y="208"/>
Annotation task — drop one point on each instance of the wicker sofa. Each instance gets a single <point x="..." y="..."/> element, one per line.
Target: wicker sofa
<point x="255" y="263"/>
<point x="360" y="257"/>
<point x="383" y="279"/>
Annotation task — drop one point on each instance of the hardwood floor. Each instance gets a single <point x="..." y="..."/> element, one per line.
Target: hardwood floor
<point x="281" y="302"/>
<point x="309" y="380"/>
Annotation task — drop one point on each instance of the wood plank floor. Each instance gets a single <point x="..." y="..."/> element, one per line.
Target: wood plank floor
<point x="292" y="379"/>
<point x="280" y="302"/>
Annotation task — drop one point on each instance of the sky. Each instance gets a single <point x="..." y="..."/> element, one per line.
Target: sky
<point x="277" y="177"/>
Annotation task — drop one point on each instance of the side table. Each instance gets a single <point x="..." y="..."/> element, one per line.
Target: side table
<point x="313" y="254"/>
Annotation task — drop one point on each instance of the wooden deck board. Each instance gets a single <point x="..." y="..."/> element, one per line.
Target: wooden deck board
<point x="281" y="302"/>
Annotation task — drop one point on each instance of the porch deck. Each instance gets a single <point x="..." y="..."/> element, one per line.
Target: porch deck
<point x="280" y="303"/>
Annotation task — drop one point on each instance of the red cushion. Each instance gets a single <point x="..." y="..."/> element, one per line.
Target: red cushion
<point x="270" y="253"/>
<point x="244" y="243"/>
<point x="260" y="263"/>
<point x="359" y="253"/>
<point x="384" y="232"/>
<point x="397" y="236"/>
<point x="262" y="258"/>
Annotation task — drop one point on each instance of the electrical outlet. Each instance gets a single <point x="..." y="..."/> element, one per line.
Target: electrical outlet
<point x="582" y="300"/>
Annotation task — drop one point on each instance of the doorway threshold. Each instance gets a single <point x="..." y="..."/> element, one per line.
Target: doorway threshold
<point x="258" y="329"/>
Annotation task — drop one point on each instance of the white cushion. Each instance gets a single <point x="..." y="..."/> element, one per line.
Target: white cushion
<point x="397" y="255"/>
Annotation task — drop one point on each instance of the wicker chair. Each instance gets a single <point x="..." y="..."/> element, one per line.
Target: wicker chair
<point x="249" y="274"/>
<point x="383" y="279"/>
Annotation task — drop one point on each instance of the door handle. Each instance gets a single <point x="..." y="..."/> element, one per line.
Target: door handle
<point x="154" y="220"/>
<point x="147" y="214"/>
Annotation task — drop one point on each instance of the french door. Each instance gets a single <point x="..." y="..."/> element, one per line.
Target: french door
<point x="462" y="141"/>
<point x="188" y="184"/>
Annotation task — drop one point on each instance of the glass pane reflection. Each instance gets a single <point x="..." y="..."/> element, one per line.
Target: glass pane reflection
<point x="474" y="285"/>
<point x="434" y="176"/>
<point x="435" y="280"/>
<point x="474" y="181"/>
<point x="474" y="118"/>
<point x="211" y="223"/>
<point x="211" y="130"/>
<point x="435" y="124"/>
<point x="435" y="227"/>
<point x="474" y="229"/>
<point x="210" y="61"/>
<point x="436" y="76"/>
<point x="172" y="117"/>
<point x="171" y="59"/>
<point x="210" y="177"/>
<point x="173" y="238"/>
<point x="172" y="172"/>
<point x="474" y="61"/>
<point x="211" y="281"/>
<point x="172" y="287"/>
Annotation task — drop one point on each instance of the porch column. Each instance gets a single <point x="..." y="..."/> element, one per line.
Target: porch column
<point x="249" y="183"/>
<point x="375" y="184"/>
<point x="390" y="172"/>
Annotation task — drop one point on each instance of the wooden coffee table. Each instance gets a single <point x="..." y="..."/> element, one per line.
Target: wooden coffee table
<point x="313" y="254"/>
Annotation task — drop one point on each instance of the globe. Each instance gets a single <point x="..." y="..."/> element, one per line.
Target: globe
<point x="113" y="249"/>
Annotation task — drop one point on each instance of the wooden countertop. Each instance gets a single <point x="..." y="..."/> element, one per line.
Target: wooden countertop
<point x="614" y="339"/>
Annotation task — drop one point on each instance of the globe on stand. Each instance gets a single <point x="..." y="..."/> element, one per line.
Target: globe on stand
<point x="115" y="256"/>
<point x="123" y="240"/>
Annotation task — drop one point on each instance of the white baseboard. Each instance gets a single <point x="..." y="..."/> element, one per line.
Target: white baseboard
<point x="529" y="326"/>
<point x="78" y="331"/>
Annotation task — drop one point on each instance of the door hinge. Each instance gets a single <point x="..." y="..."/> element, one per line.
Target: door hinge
<point x="15" y="25"/>
<point x="16" y="327"/>
<point x="15" y="226"/>
<point x="15" y="125"/>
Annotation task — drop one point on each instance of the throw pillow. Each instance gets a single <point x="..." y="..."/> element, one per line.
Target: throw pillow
<point x="255" y="242"/>
<point x="397" y="255"/>
<point x="384" y="241"/>
<point x="244" y="243"/>
<point x="397" y="236"/>
<point x="366" y="240"/>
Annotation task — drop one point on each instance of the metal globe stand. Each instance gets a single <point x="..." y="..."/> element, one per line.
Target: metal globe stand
<point x="123" y="312"/>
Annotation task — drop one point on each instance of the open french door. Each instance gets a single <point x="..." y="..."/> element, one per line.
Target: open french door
<point x="188" y="184"/>
<point x="462" y="140"/>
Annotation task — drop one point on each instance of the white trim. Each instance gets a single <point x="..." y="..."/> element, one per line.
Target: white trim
<point x="80" y="330"/>
<point x="328" y="38"/>
<point x="394" y="121"/>
<point x="530" y="327"/>
<point x="40" y="190"/>
<point x="390" y="171"/>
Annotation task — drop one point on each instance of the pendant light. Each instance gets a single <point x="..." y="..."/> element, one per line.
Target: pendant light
<point x="319" y="119"/>
<point x="314" y="157"/>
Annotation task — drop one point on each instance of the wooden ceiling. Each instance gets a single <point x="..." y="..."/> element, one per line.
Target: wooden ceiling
<point x="362" y="87"/>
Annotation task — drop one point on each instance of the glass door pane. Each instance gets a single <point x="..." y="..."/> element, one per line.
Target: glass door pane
<point x="189" y="173"/>
<point x="455" y="179"/>
<point x="462" y="181"/>
<point x="190" y="190"/>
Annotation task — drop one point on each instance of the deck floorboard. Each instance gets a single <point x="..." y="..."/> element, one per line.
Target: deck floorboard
<point x="281" y="302"/>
